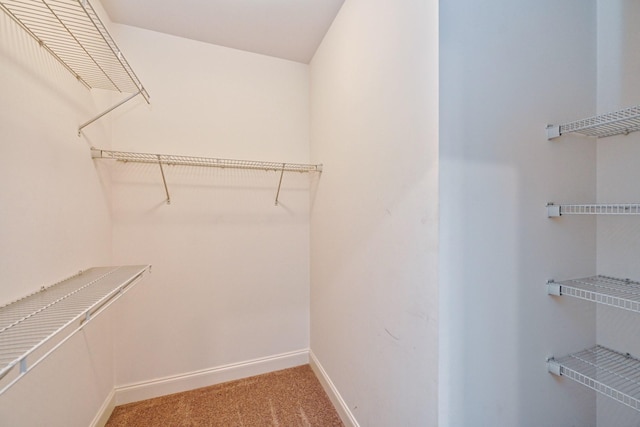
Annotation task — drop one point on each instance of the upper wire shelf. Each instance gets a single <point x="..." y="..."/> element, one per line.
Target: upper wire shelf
<point x="620" y="122"/>
<point x="72" y="32"/>
<point x="174" y="160"/>
<point x="619" y="293"/>
<point x="554" y="210"/>
<point x="33" y="327"/>
<point x="606" y="371"/>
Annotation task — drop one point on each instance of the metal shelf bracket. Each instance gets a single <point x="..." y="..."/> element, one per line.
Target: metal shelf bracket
<point x="553" y="131"/>
<point x="553" y="367"/>
<point x="554" y="288"/>
<point x="553" y="210"/>
<point x="104" y="113"/>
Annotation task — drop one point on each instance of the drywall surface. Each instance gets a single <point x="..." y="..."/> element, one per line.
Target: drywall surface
<point x="618" y="175"/>
<point x="506" y="70"/>
<point x="230" y="276"/>
<point x="374" y="235"/>
<point x="54" y="221"/>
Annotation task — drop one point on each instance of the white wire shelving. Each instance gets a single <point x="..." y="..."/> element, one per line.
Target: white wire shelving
<point x="72" y="32"/>
<point x="606" y="371"/>
<point x="605" y="290"/>
<point x="174" y="160"/>
<point x="33" y="327"/>
<point x="620" y="122"/>
<point x="556" y="210"/>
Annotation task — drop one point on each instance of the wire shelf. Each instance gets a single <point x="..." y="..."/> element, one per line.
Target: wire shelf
<point x="36" y="321"/>
<point x="619" y="293"/>
<point x="606" y="371"/>
<point x="169" y="159"/>
<point x="620" y="122"/>
<point x="173" y="160"/>
<point x="72" y="32"/>
<point x="554" y="210"/>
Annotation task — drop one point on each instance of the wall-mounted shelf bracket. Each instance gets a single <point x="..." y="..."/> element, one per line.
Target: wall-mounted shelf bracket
<point x="554" y="288"/>
<point x="553" y="131"/>
<point x="553" y="210"/>
<point x="104" y="113"/>
<point x="164" y="180"/>
<point x="553" y="366"/>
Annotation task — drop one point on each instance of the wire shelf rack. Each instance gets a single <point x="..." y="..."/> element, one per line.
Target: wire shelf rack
<point x="606" y="371"/>
<point x="171" y="160"/>
<point x="72" y="32"/>
<point x="611" y="291"/>
<point x="620" y="122"/>
<point x="174" y="160"/>
<point x="554" y="210"/>
<point x="33" y="327"/>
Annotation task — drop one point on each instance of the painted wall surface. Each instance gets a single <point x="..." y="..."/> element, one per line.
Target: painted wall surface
<point x="230" y="276"/>
<point x="618" y="237"/>
<point x="374" y="124"/>
<point x="54" y="221"/>
<point x="506" y="70"/>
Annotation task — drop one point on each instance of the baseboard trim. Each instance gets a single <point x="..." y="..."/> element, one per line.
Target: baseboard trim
<point x="343" y="410"/>
<point x="177" y="383"/>
<point x="105" y="411"/>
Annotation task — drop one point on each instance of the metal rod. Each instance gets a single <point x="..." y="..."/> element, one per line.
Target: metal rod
<point x="164" y="181"/>
<point x="82" y="126"/>
<point x="280" y="183"/>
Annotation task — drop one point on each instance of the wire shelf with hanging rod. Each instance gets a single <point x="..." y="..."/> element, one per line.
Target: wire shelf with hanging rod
<point x="620" y="122"/>
<point x="72" y="32"/>
<point x="177" y="160"/>
<point x="35" y="326"/>
<point x="605" y="290"/>
<point x="606" y="371"/>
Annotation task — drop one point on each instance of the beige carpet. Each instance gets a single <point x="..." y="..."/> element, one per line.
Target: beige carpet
<point x="288" y="398"/>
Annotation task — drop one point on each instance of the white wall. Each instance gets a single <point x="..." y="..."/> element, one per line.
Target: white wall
<point x="374" y="315"/>
<point x="618" y="237"/>
<point x="230" y="277"/>
<point x="54" y="221"/>
<point x="506" y="70"/>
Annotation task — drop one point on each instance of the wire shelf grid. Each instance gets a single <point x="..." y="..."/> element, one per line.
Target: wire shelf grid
<point x="620" y="122"/>
<point x="605" y="290"/>
<point x="597" y="209"/>
<point x="169" y="159"/>
<point x="31" y="323"/>
<point x="72" y="32"/>
<point x="606" y="371"/>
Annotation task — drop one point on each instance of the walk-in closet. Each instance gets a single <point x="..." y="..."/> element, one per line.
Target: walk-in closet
<point x="431" y="204"/>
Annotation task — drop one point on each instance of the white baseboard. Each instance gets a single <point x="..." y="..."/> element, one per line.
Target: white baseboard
<point x="105" y="411"/>
<point x="206" y="377"/>
<point x="343" y="410"/>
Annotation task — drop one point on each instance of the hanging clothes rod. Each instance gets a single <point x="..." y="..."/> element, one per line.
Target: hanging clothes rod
<point x="174" y="160"/>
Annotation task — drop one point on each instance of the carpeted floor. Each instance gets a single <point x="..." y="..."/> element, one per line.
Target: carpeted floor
<point x="288" y="398"/>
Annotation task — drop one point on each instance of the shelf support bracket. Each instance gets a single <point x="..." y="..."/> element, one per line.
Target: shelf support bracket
<point x="553" y="131"/>
<point x="104" y="113"/>
<point x="553" y="211"/>
<point x="554" y="288"/>
<point x="164" y="180"/>
<point x="553" y="366"/>
<point x="280" y="183"/>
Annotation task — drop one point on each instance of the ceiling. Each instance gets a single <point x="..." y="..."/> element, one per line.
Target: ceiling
<point x="288" y="29"/>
